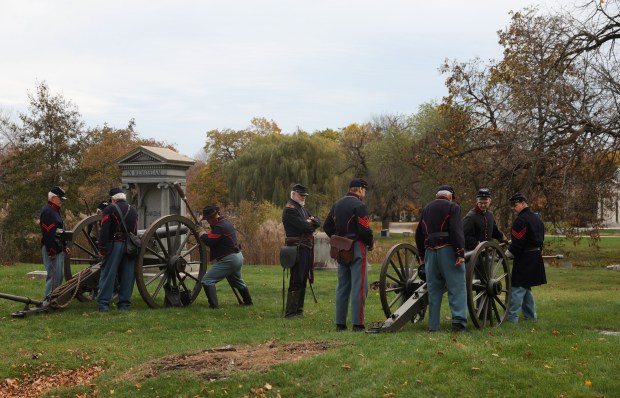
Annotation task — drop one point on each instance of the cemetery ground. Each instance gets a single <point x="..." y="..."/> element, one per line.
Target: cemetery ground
<point x="571" y="351"/>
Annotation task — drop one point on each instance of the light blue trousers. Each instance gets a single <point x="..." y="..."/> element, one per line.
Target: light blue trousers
<point x="55" y="270"/>
<point x="228" y="267"/>
<point x="441" y="273"/>
<point x="353" y="285"/>
<point x="522" y="299"/>
<point x="116" y="262"/>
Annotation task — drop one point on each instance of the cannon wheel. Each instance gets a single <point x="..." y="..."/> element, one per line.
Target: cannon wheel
<point x="488" y="285"/>
<point x="399" y="278"/>
<point x="171" y="255"/>
<point x="84" y="251"/>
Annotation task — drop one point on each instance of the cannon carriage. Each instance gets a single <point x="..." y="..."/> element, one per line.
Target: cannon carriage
<point x="404" y="296"/>
<point x="169" y="267"/>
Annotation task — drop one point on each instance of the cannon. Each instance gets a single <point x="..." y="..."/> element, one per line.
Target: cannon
<point x="404" y="296"/>
<point x="171" y="263"/>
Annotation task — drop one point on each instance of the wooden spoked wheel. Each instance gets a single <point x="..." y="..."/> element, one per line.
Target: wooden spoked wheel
<point x="84" y="253"/>
<point x="171" y="257"/>
<point x="488" y="285"/>
<point x="399" y="278"/>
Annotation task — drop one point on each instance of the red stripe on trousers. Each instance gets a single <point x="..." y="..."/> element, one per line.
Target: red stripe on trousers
<point x="363" y="252"/>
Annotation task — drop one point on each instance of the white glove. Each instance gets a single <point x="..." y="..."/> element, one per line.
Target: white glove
<point x="509" y="254"/>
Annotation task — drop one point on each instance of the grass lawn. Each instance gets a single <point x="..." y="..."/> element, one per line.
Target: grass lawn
<point x="150" y="353"/>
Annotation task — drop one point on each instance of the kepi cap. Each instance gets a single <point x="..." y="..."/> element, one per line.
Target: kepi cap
<point x="483" y="193"/>
<point x="102" y="205"/>
<point x="358" y="182"/>
<point x="300" y="189"/>
<point x="114" y="191"/>
<point x="58" y="191"/>
<point x="518" y="197"/>
<point x="446" y="187"/>
<point x="210" y="211"/>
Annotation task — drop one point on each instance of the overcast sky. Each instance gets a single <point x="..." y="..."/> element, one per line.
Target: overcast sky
<point x="182" y="68"/>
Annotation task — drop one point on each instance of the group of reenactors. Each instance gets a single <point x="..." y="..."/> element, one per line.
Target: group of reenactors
<point x="442" y="238"/>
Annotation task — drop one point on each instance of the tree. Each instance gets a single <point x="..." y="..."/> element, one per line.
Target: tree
<point x="97" y="164"/>
<point x="46" y="152"/>
<point x="539" y="123"/>
<point x="392" y="185"/>
<point x="271" y="164"/>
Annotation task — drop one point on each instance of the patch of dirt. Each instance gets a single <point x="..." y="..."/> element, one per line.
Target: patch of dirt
<point x="39" y="381"/>
<point x="219" y="363"/>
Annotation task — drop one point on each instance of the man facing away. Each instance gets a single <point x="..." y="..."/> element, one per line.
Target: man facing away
<point x="112" y="244"/>
<point x="440" y="241"/>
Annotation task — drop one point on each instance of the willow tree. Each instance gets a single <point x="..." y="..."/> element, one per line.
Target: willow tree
<point x="268" y="168"/>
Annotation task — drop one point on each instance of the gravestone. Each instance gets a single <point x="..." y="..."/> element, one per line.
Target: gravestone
<point x="147" y="175"/>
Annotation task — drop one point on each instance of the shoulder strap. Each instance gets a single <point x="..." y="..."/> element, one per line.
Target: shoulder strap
<point x="118" y="209"/>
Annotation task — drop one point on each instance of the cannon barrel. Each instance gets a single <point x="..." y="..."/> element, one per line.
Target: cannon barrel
<point x="21" y="299"/>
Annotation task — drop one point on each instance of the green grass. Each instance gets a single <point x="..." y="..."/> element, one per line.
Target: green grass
<point x="552" y="357"/>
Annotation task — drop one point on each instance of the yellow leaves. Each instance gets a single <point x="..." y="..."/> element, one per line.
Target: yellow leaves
<point x="345" y="366"/>
<point x="555" y="332"/>
<point x="548" y="366"/>
<point x="588" y="383"/>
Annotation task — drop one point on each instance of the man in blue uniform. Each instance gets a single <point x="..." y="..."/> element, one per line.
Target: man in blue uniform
<point x="349" y="218"/>
<point x="440" y="241"/>
<point x="225" y="255"/>
<point x="479" y="224"/>
<point x="528" y="269"/>
<point x="112" y="243"/>
<point x="53" y="247"/>
<point x="299" y="227"/>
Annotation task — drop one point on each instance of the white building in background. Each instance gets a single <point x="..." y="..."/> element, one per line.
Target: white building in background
<point x="609" y="208"/>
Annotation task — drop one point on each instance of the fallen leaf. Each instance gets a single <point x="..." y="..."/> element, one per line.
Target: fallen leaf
<point x="555" y="332"/>
<point x="475" y="369"/>
<point x="138" y="385"/>
<point x="580" y="374"/>
<point x="459" y="344"/>
<point x="528" y="354"/>
<point x="267" y="386"/>
<point x="389" y="394"/>
<point x="440" y="353"/>
<point x="345" y="366"/>
<point x="495" y="355"/>
<point x="548" y="367"/>
<point x="588" y="383"/>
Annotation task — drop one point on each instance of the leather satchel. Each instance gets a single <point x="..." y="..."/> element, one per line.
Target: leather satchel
<point x="288" y="256"/>
<point x="341" y="249"/>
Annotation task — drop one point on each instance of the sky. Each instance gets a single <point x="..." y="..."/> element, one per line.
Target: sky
<point x="182" y="68"/>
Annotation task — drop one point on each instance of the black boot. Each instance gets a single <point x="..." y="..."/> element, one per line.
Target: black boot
<point x="211" y="296"/>
<point x="245" y="295"/>
<point x="300" y="304"/>
<point x="292" y="302"/>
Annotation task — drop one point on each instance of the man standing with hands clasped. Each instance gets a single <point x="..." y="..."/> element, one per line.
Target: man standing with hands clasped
<point x="440" y="241"/>
<point x="528" y="269"/>
<point x="299" y="227"/>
